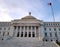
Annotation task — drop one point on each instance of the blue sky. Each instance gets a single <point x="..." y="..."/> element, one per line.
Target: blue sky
<point x="16" y="9"/>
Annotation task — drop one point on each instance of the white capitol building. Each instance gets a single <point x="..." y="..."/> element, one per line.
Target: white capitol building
<point x="30" y="28"/>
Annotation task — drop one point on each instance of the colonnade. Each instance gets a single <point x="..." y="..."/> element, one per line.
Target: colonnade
<point x="26" y="31"/>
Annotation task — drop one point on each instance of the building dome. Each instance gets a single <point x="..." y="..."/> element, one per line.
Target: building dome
<point x="29" y="16"/>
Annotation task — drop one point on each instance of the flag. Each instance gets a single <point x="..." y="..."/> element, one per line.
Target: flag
<point x="50" y="3"/>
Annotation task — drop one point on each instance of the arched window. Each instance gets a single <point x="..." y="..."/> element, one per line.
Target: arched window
<point x="18" y="34"/>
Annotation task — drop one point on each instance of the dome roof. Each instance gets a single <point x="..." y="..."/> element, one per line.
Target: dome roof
<point x="29" y="16"/>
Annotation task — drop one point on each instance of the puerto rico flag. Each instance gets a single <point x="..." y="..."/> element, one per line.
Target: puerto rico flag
<point x="50" y="3"/>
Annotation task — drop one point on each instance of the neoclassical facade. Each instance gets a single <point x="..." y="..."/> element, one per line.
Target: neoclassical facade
<point x="30" y="28"/>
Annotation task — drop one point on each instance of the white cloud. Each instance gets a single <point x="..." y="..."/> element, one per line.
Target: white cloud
<point x="19" y="8"/>
<point x="4" y="16"/>
<point x="22" y="7"/>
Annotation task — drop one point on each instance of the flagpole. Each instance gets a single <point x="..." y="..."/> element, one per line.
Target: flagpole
<point x="52" y="13"/>
<point x="53" y="18"/>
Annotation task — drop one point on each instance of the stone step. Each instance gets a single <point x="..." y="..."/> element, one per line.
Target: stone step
<point x="26" y="44"/>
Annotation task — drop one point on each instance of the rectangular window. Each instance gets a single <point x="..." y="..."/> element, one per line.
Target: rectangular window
<point x="55" y="34"/>
<point x="58" y="24"/>
<point x="50" y="34"/>
<point x="45" y="34"/>
<point x="49" y="29"/>
<point x="49" y="24"/>
<point x="45" y="29"/>
<point x="54" y="29"/>
<point x="59" y="29"/>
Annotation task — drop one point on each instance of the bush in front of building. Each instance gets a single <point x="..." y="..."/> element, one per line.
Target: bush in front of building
<point x="58" y="43"/>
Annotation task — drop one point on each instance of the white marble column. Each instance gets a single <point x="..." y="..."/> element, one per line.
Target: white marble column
<point x="35" y="31"/>
<point x="39" y="32"/>
<point x="23" y="31"/>
<point x="31" y="31"/>
<point x="6" y="33"/>
<point x="12" y="31"/>
<point x="16" y="31"/>
<point x="20" y="31"/>
<point x="27" y="31"/>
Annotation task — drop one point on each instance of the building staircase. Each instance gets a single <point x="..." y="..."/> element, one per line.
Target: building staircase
<point x="24" y="43"/>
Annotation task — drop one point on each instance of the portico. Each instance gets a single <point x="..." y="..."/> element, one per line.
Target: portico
<point x="27" y="27"/>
